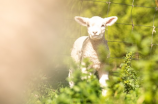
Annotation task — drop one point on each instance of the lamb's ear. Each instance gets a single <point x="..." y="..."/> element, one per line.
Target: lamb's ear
<point x="81" y="20"/>
<point x="110" y="20"/>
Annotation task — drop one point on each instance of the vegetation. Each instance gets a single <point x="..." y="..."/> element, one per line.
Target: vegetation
<point x="127" y="85"/>
<point x="134" y="80"/>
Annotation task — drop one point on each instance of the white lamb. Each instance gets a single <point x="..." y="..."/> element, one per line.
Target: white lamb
<point x="86" y="46"/>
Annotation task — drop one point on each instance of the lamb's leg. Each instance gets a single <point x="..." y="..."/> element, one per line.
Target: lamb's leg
<point x="103" y="76"/>
<point x="71" y="83"/>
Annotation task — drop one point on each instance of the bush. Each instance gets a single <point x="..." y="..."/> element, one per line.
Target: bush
<point x="134" y="82"/>
<point x="87" y="89"/>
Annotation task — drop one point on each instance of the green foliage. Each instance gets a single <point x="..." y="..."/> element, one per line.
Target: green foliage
<point x="42" y="94"/>
<point x="86" y="90"/>
<point x="135" y="82"/>
<point x="135" y="79"/>
<point x="128" y="74"/>
<point x="124" y="84"/>
<point x="142" y="14"/>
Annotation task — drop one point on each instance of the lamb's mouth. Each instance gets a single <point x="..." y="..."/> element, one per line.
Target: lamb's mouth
<point x="95" y="37"/>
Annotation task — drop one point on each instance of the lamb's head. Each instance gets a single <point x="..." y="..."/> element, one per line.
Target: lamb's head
<point x="96" y="25"/>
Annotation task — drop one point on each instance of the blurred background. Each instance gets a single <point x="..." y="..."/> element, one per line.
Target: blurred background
<point x="37" y="35"/>
<point x="31" y="43"/>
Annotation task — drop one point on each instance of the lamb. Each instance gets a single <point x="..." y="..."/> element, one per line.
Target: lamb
<point x="86" y="46"/>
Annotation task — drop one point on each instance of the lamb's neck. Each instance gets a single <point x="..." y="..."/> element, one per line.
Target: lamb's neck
<point x="96" y="43"/>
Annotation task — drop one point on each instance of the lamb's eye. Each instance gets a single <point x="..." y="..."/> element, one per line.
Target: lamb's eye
<point x="87" y="25"/>
<point x="102" y="25"/>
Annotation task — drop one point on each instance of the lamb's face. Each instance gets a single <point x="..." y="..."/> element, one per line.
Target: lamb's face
<point x="96" y="25"/>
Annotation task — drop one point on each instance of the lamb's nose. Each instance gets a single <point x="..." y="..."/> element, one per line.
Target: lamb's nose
<point x="94" y="32"/>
